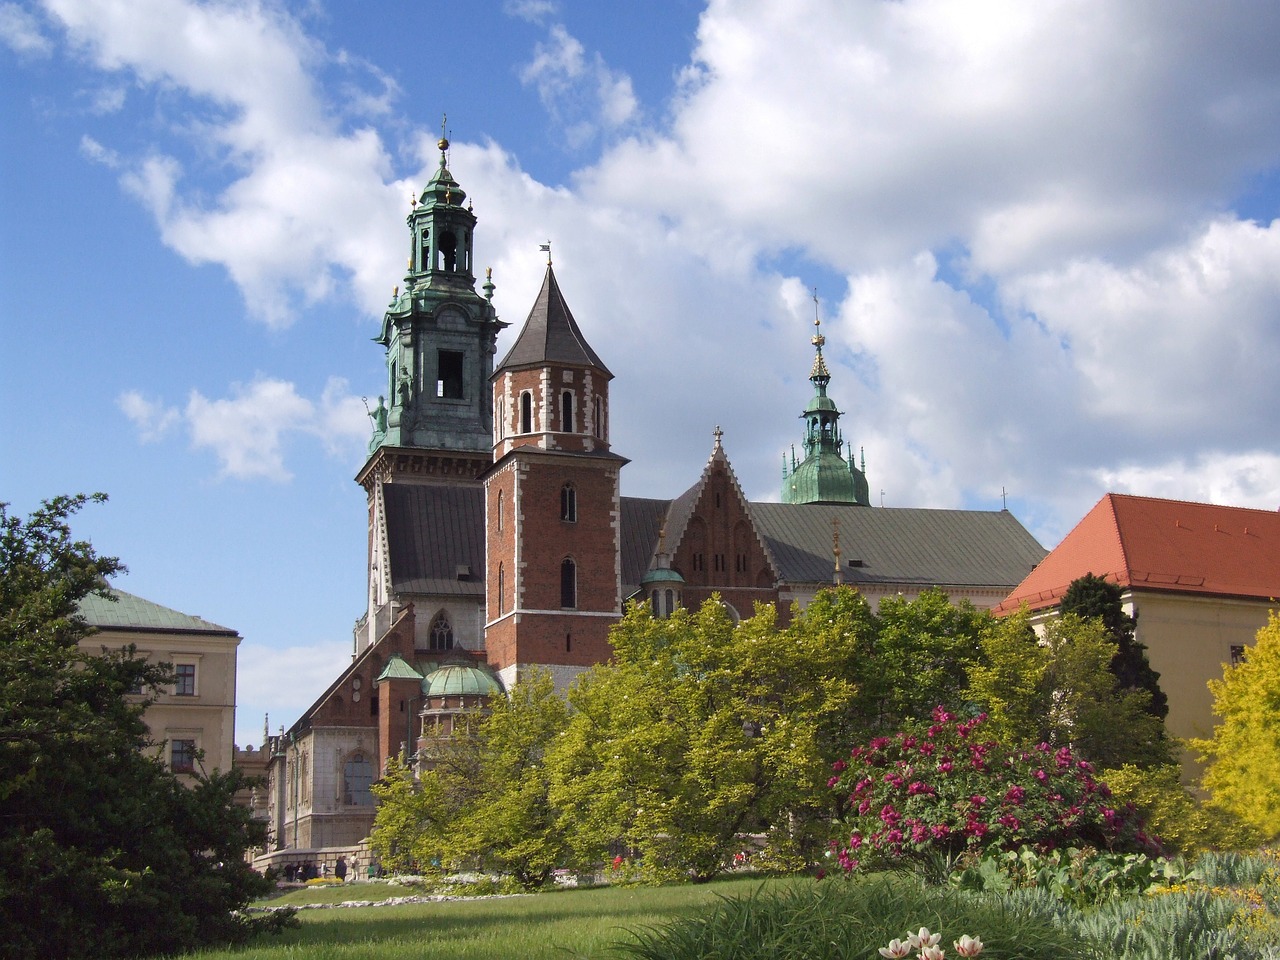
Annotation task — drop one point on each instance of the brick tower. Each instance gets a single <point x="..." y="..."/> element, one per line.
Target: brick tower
<point x="553" y="578"/>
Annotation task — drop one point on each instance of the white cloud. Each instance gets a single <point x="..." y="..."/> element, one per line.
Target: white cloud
<point x="581" y="92"/>
<point x="96" y="152"/>
<point x="310" y="667"/>
<point x="152" y="418"/>
<point x="1250" y="479"/>
<point x="22" y="32"/>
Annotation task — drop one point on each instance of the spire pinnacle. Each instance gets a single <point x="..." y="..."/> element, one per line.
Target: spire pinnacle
<point x="443" y="142"/>
<point x="546" y="248"/>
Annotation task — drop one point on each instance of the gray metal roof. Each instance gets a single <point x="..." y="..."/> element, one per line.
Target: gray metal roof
<point x="129" y="612"/>
<point x="641" y="522"/>
<point x="551" y="335"/>
<point x="431" y="531"/>
<point x="898" y="544"/>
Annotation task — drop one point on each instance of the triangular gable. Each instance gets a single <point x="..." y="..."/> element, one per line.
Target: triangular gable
<point x="685" y="506"/>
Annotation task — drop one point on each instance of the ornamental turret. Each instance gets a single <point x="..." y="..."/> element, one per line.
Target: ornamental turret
<point x="822" y="475"/>
<point x="439" y="333"/>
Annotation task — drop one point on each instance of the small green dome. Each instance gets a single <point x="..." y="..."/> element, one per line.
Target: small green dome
<point x="661" y="575"/>
<point x="460" y="679"/>
<point x="822" y="478"/>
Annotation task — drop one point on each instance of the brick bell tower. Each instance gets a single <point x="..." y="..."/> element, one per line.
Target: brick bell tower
<point x="553" y="573"/>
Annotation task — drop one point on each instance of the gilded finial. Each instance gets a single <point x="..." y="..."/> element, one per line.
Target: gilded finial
<point x="413" y="201"/>
<point x="835" y="549"/>
<point x="818" y="339"/>
<point x="443" y="143"/>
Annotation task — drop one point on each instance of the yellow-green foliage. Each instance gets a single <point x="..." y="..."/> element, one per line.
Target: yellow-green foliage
<point x="1243" y="775"/>
<point x="1182" y="823"/>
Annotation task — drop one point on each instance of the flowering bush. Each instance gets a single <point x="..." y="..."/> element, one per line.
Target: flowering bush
<point x="946" y="789"/>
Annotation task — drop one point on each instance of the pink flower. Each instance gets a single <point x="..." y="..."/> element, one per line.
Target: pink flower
<point x="896" y="949"/>
<point x="968" y="946"/>
<point x="839" y="766"/>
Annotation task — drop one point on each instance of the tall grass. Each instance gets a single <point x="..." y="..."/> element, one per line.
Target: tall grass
<point x="850" y="920"/>
<point x="566" y="925"/>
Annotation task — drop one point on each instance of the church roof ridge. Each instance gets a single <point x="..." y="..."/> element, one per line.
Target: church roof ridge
<point x="551" y="335"/>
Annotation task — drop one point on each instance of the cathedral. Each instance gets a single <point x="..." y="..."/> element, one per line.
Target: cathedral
<point x="499" y="540"/>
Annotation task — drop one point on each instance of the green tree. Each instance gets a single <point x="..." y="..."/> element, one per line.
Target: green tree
<point x="481" y="799"/>
<point x="104" y="852"/>
<point x="1092" y="596"/>
<point x="1243" y="755"/>
<point x="1058" y="689"/>
<point x="925" y="648"/>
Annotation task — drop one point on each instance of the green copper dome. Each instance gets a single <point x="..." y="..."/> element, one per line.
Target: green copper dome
<point x="460" y="679"/>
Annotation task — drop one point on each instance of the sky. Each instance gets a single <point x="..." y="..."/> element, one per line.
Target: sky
<point x="1044" y="241"/>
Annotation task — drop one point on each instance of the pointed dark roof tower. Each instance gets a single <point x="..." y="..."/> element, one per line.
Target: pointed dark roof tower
<point x="551" y="335"/>
<point x="823" y="476"/>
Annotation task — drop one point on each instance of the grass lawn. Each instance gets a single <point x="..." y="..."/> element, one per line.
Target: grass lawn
<point x="564" y="925"/>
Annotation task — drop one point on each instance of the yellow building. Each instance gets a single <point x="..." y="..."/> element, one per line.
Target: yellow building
<point x="196" y="714"/>
<point x="1200" y="579"/>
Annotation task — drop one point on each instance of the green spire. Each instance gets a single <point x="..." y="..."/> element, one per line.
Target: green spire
<point x="439" y="332"/>
<point x="823" y="476"/>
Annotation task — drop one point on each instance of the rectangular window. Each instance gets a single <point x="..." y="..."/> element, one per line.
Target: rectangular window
<point x="182" y="756"/>
<point x="185" y="684"/>
<point x="1237" y="654"/>
<point x="449" y="374"/>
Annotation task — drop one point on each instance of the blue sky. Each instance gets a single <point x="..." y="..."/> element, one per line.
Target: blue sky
<point x="1044" y="237"/>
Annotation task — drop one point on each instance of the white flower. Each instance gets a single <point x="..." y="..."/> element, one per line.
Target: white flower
<point x="968" y="946"/>
<point x="895" y="949"/>
<point x="932" y="952"/>
<point x="923" y="938"/>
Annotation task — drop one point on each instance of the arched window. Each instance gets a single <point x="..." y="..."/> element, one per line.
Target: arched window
<point x="566" y="411"/>
<point x="526" y="412"/>
<point x="599" y="418"/>
<point x="441" y="633"/>
<point x="568" y="583"/>
<point x="502" y="588"/>
<point x="357" y="774"/>
<point x="669" y="606"/>
<point x="502" y="496"/>
<point x="569" y="503"/>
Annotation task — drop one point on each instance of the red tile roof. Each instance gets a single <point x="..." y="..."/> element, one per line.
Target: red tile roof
<point x="1165" y="545"/>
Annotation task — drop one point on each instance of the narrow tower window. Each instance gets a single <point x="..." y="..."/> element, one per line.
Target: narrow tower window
<point x="449" y="374"/>
<point x="502" y="496"/>
<point x="566" y="411"/>
<point x="569" y="503"/>
<point x="599" y="411"/>
<point x="502" y="588"/>
<point x="568" y="583"/>
<point x="449" y="250"/>
<point x="526" y="412"/>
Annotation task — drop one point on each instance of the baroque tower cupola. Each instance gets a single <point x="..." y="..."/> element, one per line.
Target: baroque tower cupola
<point x="823" y="475"/>
<point x="439" y="333"/>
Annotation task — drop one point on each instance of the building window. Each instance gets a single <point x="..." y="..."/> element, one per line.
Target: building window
<point x="502" y="496"/>
<point x="502" y="587"/>
<point x="599" y="418"/>
<point x="185" y="683"/>
<point x="569" y="503"/>
<point x="182" y="756"/>
<point x="441" y="633"/>
<point x="566" y="411"/>
<point x="697" y="561"/>
<point x="357" y="774"/>
<point x="1237" y="654"/>
<point x="499" y="426"/>
<point x="526" y="412"/>
<point x="568" y="584"/>
<point x="449" y="374"/>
